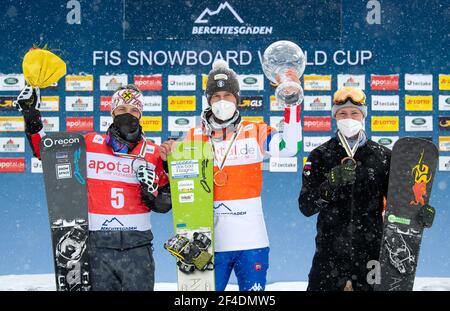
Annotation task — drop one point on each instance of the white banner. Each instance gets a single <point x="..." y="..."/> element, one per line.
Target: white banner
<point x="311" y="143"/>
<point x="317" y="103"/>
<point x="12" y="82"/>
<point x="12" y="144"/>
<point x="79" y="103"/>
<point x="36" y="165"/>
<point x="181" y="124"/>
<point x="153" y="103"/>
<point x="418" y="82"/>
<point x="444" y="163"/>
<point x="113" y="82"/>
<point x="51" y="124"/>
<point x="181" y="83"/>
<point x="444" y="102"/>
<point x="358" y="81"/>
<point x="283" y="164"/>
<point x="387" y="141"/>
<point x="418" y="123"/>
<point x="251" y="82"/>
<point x="385" y="102"/>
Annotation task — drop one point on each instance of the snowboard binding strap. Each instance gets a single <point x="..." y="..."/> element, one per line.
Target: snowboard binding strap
<point x="191" y="255"/>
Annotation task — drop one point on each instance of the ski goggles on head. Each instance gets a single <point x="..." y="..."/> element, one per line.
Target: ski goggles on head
<point x="354" y="95"/>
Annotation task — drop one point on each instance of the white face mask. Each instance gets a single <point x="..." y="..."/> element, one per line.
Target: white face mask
<point x="223" y="109"/>
<point x="350" y="127"/>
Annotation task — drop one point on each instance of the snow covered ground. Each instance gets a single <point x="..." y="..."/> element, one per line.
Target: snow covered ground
<point x="46" y="282"/>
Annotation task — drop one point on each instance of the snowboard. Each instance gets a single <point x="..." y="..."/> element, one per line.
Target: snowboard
<point x="191" y="183"/>
<point x="412" y="171"/>
<point x="64" y="166"/>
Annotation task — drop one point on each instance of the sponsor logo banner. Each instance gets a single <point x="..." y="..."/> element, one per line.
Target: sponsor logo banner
<point x="358" y="81"/>
<point x="252" y="103"/>
<point x="51" y="124"/>
<point x="105" y="122"/>
<point x="148" y="83"/>
<point x="80" y="83"/>
<point x="444" y="123"/>
<point x="444" y="163"/>
<point x="418" y="82"/>
<point x="11" y="82"/>
<point x="311" y="143"/>
<point x="418" y="103"/>
<point x="317" y="82"/>
<point x="36" y="165"/>
<point x="153" y="103"/>
<point x="256" y="119"/>
<point x="251" y="82"/>
<point x="181" y="83"/>
<point x="6" y="103"/>
<point x="444" y="102"/>
<point x="444" y="82"/>
<point x="384" y="82"/>
<point x="49" y="103"/>
<point x="105" y="103"/>
<point x="204" y="80"/>
<point x="283" y="164"/>
<point x="317" y="124"/>
<point x="12" y="165"/>
<point x="385" y="102"/>
<point x="387" y="141"/>
<point x="79" y="124"/>
<point x="181" y="103"/>
<point x="385" y="124"/>
<point x="444" y="143"/>
<point x="151" y="124"/>
<point x="277" y="123"/>
<point x="274" y="105"/>
<point x="112" y="83"/>
<point x="12" y="144"/>
<point x="79" y="103"/>
<point x="317" y="103"/>
<point x="11" y="124"/>
<point x="418" y="123"/>
<point x="181" y="124"/>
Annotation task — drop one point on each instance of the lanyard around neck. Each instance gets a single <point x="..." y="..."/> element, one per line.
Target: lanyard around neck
<point x="233" y="139"/>
<point x="350" y="151"/>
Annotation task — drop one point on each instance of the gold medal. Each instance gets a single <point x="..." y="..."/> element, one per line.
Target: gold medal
<point x="220" y="178"/>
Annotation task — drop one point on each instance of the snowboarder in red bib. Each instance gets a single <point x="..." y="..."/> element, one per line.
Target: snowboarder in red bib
<point x="125" y="182"/>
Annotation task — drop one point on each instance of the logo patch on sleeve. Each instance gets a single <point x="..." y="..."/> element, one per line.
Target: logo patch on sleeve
<point x="307" y="169"/>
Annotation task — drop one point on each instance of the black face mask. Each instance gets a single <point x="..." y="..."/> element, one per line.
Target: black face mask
<point x="128" y="127"/>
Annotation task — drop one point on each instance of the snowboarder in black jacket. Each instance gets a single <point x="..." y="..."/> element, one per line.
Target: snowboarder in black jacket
<point x="345" y="181"/>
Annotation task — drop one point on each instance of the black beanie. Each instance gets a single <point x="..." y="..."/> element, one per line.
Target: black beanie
<point x="222" y="78"/>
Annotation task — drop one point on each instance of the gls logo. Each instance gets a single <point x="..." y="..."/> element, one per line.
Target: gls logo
<point x="48" y="142"/>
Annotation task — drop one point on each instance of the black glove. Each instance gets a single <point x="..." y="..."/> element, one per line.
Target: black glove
<point x="149" y="185"/>
<point x="426" y="215"/>
<point x="342" y="175"/>
<point x="26" y="103"/>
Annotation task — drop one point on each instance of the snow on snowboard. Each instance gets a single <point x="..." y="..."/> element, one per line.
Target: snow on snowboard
<point x="191" y="184"/>
<point x="412" y="171"/>
<point x="64" y="167"/>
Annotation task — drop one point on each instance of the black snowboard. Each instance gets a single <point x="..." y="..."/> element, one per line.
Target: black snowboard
<point x="412" y="171"/>
<point x="64" y="166"/>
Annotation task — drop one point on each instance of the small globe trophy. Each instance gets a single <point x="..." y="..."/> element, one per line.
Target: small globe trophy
<point x="277" y="59"/>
